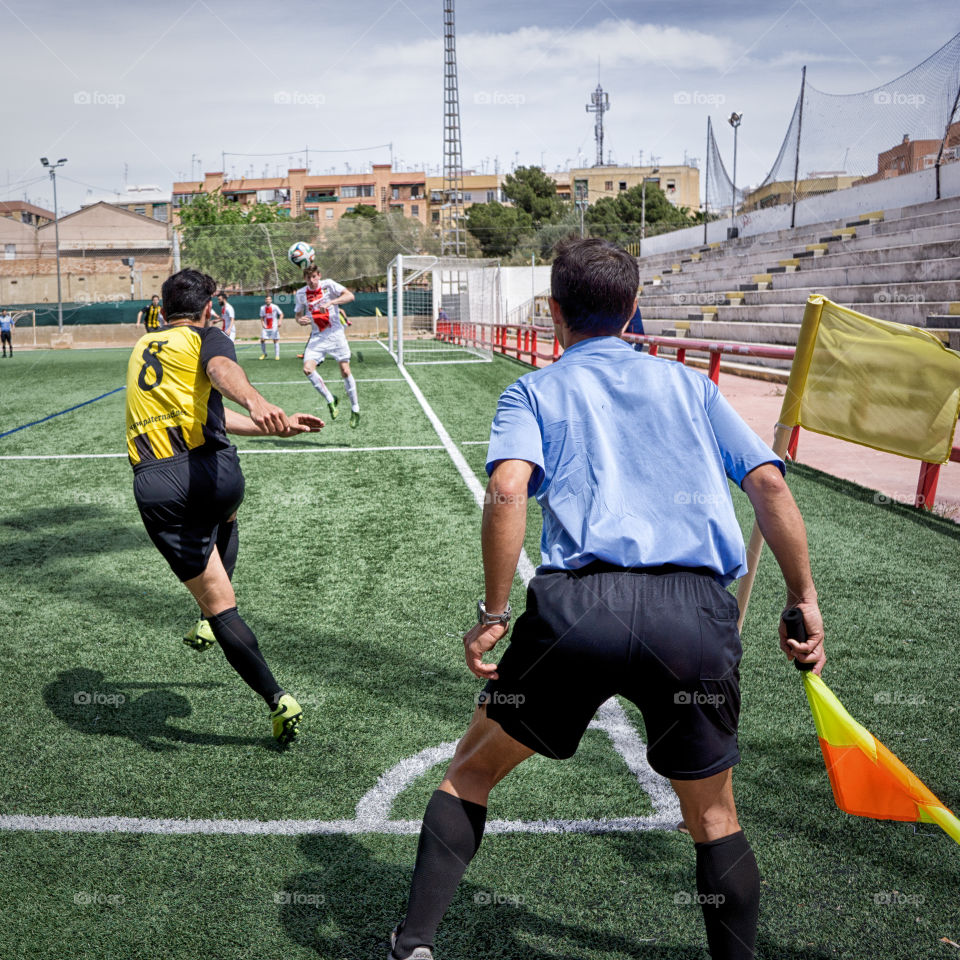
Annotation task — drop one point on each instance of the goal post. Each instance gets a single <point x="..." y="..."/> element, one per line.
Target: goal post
<point x="442" y="309"/>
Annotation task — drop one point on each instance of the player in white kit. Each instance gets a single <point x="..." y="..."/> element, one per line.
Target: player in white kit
<point x="270" y="317"/>
<point x="317" y="306"/>
<point x="226" y="316"/>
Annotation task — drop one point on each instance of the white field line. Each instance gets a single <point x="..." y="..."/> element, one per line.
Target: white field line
<point x="306" y="383"/>
<point x="284" y="450"/>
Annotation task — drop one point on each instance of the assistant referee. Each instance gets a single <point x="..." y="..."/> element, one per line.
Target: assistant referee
<point x="186" y="475"/>
<point x="628" y="456"/>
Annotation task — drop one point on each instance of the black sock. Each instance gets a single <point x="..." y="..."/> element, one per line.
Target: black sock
<point x="728" y="882"/>
<point x="228" y="544"/>
<point x="450" y="836"/>
<point x="243" y="654"/>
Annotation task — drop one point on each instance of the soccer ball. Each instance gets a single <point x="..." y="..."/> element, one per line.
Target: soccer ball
<point x="301" y="254"/>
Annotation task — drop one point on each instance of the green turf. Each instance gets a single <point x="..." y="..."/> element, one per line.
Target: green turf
<point x="359" y="571"/>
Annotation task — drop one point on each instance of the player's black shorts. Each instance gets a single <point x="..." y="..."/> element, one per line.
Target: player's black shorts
<point x="665" y="638"/>
<point x="183" y="500"/>
<point x="5" y="337"/>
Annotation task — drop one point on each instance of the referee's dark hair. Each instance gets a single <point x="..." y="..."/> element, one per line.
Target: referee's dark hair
<point x="186" y="293"/>
<point x="595" y="284"/>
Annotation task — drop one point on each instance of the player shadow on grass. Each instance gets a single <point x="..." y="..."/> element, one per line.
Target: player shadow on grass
<point x="346" y="907"/>
<point x="87" y="702"/>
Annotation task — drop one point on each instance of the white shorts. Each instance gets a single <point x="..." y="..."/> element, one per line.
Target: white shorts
<point x="233" y="333"/>
<point x="273" y="334"/>
<point x="334" y="344"/>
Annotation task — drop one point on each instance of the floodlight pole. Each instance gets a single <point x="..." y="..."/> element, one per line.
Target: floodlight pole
<point x="796" y="159"/>
<point x="706" y="187"/>
<point x="52" y="167"/>
<point x="734" y="122"/>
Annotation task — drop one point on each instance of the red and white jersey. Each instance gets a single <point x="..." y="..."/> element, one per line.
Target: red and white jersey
<point x="270" y="316"/>
<point x="311" y="304"/>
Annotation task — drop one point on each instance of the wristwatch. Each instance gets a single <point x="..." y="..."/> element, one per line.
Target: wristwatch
<point x="488" y="619"/>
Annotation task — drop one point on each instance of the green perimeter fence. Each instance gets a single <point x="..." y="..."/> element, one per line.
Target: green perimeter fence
<point x="246" y="307"/>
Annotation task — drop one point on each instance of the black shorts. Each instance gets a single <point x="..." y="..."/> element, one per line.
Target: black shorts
<point x="183" y="500"/>
<point x="5" y="336"/>
<point x="666" y="640"/>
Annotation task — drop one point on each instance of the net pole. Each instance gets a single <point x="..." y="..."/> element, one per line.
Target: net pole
<point x="400" y="309"/>
<point x="390" y="308"/>
<point x="946" y="133"/>
<point x="796" y="158"/>
<point x="706" y="186"/>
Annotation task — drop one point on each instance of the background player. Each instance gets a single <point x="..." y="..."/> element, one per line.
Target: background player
<point x="186" y="475"/>
<point x="152" y="315"/>
<point x="7" y="323"/>
<point x="226" y="316"/>
<point x="317" y="305"/>
<point x="270" y="317"/>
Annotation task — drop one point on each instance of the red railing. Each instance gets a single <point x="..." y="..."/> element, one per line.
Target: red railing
<point x="523" y="347"/>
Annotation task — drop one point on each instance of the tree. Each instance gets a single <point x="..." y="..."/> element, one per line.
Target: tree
<point x="241" y="249"/>
<point x="497" y="228"/>
<point x="532" y="191"/>
<point x="619" y="218"/>
<point x="362" y="211"/>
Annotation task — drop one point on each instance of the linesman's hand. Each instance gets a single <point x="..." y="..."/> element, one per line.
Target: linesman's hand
<point x="270" y="419"/>
<point x="303" y="423"/>
<point x="477" y="642"/>
<point x="812" y="651"/>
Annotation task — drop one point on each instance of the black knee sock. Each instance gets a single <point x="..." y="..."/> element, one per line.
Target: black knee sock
<point x="450" y="836"/>
<point x="729" y="886"/>
<point x="228" y="544"/>
<point x="243" y="654"/>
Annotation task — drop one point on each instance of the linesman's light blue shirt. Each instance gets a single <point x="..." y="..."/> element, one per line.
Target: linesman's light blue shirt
<point x="632" y="455"/>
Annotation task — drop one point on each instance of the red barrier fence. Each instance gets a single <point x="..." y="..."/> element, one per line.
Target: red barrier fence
<point x="520" y="342"/>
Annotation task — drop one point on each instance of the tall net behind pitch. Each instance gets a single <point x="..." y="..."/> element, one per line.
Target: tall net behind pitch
<point x="465" y="307"/>
<point x="835" y="141"/>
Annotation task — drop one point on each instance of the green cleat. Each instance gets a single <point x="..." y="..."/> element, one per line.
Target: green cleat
<point x="354" y="419"/>
<point x="200" y="636"/>
<point x="286" y="720"/>
<point x="332" y="407"/>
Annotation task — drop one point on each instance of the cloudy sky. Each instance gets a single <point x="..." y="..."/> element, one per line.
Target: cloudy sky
<point x="154" y="92"/>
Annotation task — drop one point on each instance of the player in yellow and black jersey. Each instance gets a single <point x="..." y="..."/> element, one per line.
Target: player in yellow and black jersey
<point x="186" y="474"/>
<point x="152" y="315"/>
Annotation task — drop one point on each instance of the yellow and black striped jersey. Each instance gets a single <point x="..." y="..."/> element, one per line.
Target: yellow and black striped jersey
<point x="171" y="405"/>
<point x="152" y="317"/>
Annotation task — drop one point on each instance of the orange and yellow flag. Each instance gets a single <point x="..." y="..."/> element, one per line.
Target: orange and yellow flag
<point x="886" y="385"/>
<point x="867" y="779"/>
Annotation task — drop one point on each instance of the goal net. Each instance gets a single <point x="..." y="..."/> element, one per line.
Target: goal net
<point x="442" y="309"/>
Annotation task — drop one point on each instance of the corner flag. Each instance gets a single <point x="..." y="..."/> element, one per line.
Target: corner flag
<point x="867" y="779"/>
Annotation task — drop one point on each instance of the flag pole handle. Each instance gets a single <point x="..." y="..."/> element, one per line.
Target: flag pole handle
<point x="796" y="630"/>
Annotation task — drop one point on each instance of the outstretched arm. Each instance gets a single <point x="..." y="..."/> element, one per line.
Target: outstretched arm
<point x="241" y="426"/>
<point x="228" y="377"/>
<point x="782" y="527"/>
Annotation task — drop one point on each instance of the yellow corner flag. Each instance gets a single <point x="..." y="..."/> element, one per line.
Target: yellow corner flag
<point x="378" y="313"/>
<point x="881" y="384"/>
<point x="867" y="779"/>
